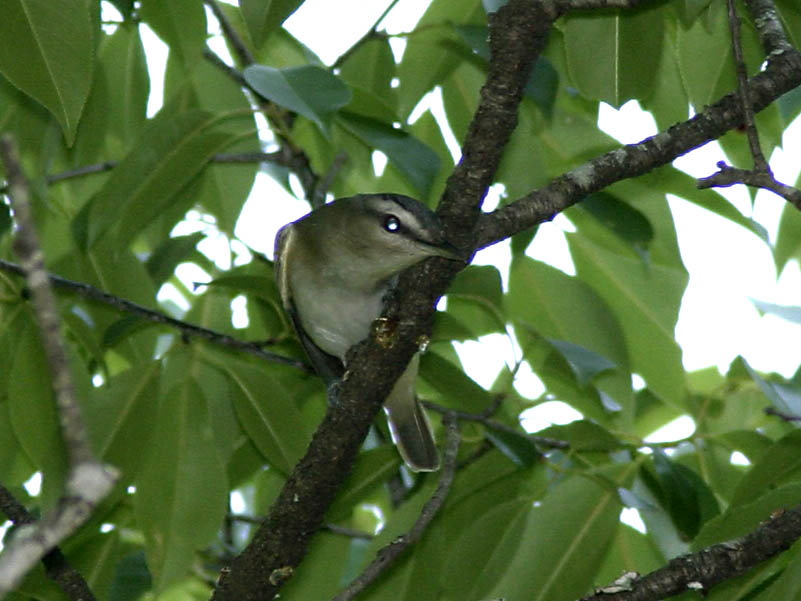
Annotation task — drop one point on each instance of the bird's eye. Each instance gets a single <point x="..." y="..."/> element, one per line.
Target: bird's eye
<point x="391" y="223"/>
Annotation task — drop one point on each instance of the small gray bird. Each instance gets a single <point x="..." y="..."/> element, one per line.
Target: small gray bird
<point x="334" y="268"/>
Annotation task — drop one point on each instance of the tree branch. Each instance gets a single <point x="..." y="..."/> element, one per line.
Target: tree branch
<point x="56" y="566"/>
<point x="760" y="164"/>
<point x="729" y="176"/>
<point x="26" y="246"/>
<point x="710" y="566"/>
<point x="88" y="481"/>
<point x="782" y="74"/>
<point x="769" y="27"/>
<point x="517" y="33"/>
<point x="761" y="176"/>
<point x="188" y="329"/>
<point x="386" y="556"/>
<point x="281" y="120"/>
<point x="239" y="47"/>
<point x="278" y="157"/>
<point x="371" y="34"/>
<point x="492" y="424"/>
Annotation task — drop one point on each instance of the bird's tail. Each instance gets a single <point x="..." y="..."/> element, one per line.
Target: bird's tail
<point x="411" y="430"/>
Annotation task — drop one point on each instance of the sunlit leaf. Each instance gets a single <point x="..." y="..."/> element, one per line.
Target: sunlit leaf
<point x="309" y="91"/>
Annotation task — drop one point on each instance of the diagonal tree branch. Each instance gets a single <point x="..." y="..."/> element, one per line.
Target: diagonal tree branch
<point x="387" y="555"/>
<point x="782" y="74"/>
<point x="700" y="571"/>
<point x="56" y="566"/>
<point x="517" y="32"/>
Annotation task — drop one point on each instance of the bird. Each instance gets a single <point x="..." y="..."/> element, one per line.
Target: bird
<point x="334" y="268"/>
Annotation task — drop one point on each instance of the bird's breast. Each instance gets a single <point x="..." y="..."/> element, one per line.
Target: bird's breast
<point x="333" y="315"/>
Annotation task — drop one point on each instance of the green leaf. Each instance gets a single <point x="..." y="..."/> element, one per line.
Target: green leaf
<point x="620" y="217"/>
<point x="630" y="551"/>
<point x="786" y="399"/>
<point x="47" y="52"/>
<point x="484" y="549"/>
<point x="119" y="417"/>
<point x="739" y="520"/>
<point x="372" y="67"/>
<point x="624" y="62"/>
<point x="267" y="412"/>
<point x="162" y="262"/>
<point x="122" y="59"/>
<point x="780" y="463"/>
<point x="673" y="181"/>
<point x="181" y="24"/>
<point x="181" y="490"/>
<point x="705" y="57"/>
<point x="543" y="302"/>
<point x="584" y="363"/>
<point x="263" y="16"/>
<point x="787" y="586"/>
<point x="645" y="300"/>
<point x="222" y="188"/>
<point x="788" y="239"/>
<point x="416" y="161"/>
<point x="460" y="93"/>
<point x="310" y="91"/>
<point x="668" y="103"/>
<point x="172" y="150"/>
<point x="475" y="299"/>
<point x="320" y="575"/>
<point x="543" y="85"/>
<point x="5" y="219"/>
<point x="456" y="388"/>
<point x="428" y="59"/>
<point x="518" y="447"/>
<point x="687" y="499"/>
<point x="583" y="435"/>
<point x="32" y="411"/>
<point x="563" y="544"/>
<point x="131" y="578"/>
<point x="372" y="468"/>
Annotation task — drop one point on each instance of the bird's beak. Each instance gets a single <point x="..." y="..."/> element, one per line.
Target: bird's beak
<point x="448" y="251"/>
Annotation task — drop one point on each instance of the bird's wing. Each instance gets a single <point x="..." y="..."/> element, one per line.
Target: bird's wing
<point x="328" y="367"/>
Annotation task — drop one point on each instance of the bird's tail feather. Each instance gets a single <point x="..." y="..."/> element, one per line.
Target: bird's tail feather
<point x="411" y="430"/>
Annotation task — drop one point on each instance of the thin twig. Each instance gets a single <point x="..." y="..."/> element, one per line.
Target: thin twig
<point x="760" y="164"/>
<point x="81" y="171"/>
<point x="492" y="424"/>
<point x="88" y="481"/>
<point x="92" y="293"/>
<point x="280" y="120"/>
<point x="26" y="246"/>
<point x="56" y="566"/>
<point x="322" y="187"/>
<point x="393" y="550"/>
<point x="230" y="71"/>
<point x="729" y="176"/>
<point x="596" y="4"/>
<point x="252" y="157"/>
<point x="278" y="157"/>
<point x="240" y="49"/>
<point x="371" y="34"/>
